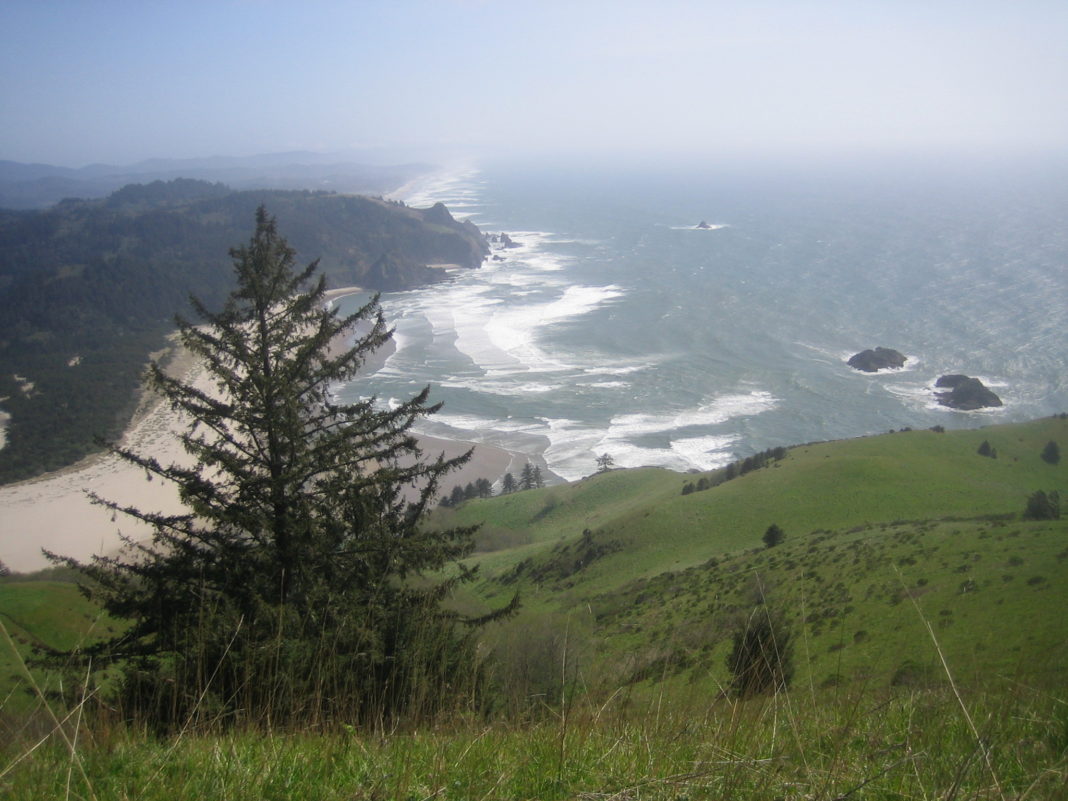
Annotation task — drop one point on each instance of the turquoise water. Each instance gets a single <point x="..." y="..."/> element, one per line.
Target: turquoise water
<point x="617" y="327"/>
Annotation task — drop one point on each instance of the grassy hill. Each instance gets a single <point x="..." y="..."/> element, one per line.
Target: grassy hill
<point x="924" y="615"/>
<point x="884" y="535"/>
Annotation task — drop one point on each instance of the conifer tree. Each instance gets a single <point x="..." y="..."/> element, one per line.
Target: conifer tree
<point x="508" y="484"/>
<point x="283" y="592"/>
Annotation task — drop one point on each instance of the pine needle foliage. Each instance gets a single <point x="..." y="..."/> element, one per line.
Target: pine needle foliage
<point x="300" y="585"/>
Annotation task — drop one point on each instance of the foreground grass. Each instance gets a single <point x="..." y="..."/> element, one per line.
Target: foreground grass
<point x="1006" y="742"/>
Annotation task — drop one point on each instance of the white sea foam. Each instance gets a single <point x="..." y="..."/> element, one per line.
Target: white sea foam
<point x="718" y="411"/>
<point x="706" y="453"/>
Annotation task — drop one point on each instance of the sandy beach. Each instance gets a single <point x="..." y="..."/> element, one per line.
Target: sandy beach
<point x="54" y="511"/>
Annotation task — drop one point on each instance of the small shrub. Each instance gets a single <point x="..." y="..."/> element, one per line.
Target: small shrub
<point x="910" y="674"/>
<point x="761" y="658"/>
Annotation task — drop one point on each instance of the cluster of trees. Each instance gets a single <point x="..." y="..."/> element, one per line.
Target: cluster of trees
<point x="479" y="488"/>
<point x="88" y="290"/>
<point x="735" y="469"/>
<point x="529" y="478"/>
<point x="299" y="585"/>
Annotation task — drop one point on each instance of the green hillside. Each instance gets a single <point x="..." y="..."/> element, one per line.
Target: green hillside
<point x="922" y="610"/>
<point x="39" y="614"/>
<point x="883" y="536"/>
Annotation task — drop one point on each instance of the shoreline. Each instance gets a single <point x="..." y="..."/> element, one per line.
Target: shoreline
<point x="53" y="511"/>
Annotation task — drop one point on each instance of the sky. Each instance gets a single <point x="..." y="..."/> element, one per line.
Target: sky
<point x="86" y="81"/>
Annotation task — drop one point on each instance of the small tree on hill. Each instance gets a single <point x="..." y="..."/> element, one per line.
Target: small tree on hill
<point x="1043" y="505"/>
<point x="773" y="536"/>
<point x="526" y="478"/>
<point x="1051" y="453"/>
<point x="604" y="463"/>
<point x="508" y="484"/>
<point x="283" y="593"/>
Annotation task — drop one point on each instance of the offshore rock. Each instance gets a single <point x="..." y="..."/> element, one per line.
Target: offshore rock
<point x="872" y="361"/>
<point x="966" y="394"/>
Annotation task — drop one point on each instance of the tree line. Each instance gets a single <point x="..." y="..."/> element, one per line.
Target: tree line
<point x="529" y="478"/>
<point x="735" y="469"/>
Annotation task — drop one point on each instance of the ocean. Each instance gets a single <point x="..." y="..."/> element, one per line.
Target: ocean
<point x="616" y="326"/>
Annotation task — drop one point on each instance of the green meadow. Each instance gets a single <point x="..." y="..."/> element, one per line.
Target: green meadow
<point x="922" y="612"/>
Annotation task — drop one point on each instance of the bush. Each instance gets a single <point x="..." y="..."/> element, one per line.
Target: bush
<point x="761" y="658"/>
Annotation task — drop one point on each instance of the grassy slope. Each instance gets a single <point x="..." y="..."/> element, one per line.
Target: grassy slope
<point x="652" y="598"/>
<point x="891" y="543"/>
<point x="49" y="613"/>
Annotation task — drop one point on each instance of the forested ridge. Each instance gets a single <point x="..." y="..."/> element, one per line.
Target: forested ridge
<point x="89" y="288"/>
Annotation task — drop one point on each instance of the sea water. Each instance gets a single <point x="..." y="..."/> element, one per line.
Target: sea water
<point x="617" y="326"/>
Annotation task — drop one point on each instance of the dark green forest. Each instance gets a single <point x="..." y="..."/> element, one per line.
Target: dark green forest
<point x="88" y="289"/>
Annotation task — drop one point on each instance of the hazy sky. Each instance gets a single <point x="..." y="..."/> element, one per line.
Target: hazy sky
<point x="118" y="81"/>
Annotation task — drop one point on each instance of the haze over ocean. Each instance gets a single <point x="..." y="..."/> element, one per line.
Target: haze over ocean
<point x="617" y="327"/>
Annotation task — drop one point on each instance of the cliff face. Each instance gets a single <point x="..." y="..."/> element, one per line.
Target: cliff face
<point x="89" y="288"/>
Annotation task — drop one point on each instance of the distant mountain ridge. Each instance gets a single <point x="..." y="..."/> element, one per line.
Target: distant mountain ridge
<point x="37" y="186"/>
<point x="89" y="288"/>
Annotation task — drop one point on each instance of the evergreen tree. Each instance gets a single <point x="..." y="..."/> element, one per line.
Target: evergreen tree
<point x="508" y="484"/>
<point x="1043" y="505"/>
<point x="526" y="478"/>
<point x="282" y="593"/>
<point x="484" y="488"/>
<point x="1051" y="453"/>
<point x="773" y="536"/>
<point x="539" y="482"/>
<point x="604" y="463"/>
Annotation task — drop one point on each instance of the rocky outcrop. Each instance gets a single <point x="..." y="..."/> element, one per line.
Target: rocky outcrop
<point x="872" y="361"/>
<point x="965" y="393"/>
<point x="503" y="240"/>
<point x="703" y="225"/>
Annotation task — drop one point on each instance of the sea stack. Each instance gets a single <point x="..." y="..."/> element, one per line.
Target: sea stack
<point x="964" y="393"/>
<point x="872" y="361"/>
